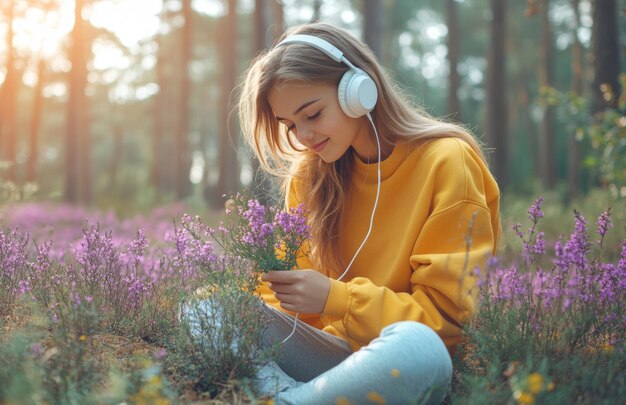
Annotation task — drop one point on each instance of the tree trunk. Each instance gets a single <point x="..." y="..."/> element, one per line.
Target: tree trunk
<point x="265" y="17"/>
<point x="8" y="100"/>
<point x="373" y="23"/>
<point x="158" y="120"/>
<point x="156" y="173"/>
<point x="85" y="145"/>
<point x="33" y="154"/>
<point x="182" y="142"/>
<point x="279" y="16"/>
<point x="546" y="128"/>
<point x="606" y="51"/>
<point x="573" y="162"/>
<point x="116" y="157"/>
<point x="75" y="106"/>
<point x="454" y="106"/>
<point x="228" y="180"/>
<point x="497" y="122"/>
<point x="317" y="7"/>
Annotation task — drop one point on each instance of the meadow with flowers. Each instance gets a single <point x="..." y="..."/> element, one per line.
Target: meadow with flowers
<point x="92" y="305"/>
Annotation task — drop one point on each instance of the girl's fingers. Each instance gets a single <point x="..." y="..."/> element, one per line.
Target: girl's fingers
<point x="272" y="277"/>
<point x="284" y="298"/>
<point x="283" y="276"/>
<point x="280" y="287"/>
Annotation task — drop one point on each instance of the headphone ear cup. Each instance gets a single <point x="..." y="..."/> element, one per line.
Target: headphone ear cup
<point x="357" y="93"/>
<point x="342" y="92"/>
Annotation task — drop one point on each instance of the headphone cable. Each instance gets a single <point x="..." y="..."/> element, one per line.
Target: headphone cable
<point x="371" y="225"/>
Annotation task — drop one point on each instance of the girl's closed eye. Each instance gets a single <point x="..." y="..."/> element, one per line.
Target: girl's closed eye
<point x="314" y="116"/>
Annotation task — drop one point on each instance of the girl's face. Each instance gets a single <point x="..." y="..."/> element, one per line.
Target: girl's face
<point x="313" y="115"/>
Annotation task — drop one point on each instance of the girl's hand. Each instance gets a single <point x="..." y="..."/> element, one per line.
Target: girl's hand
<point x="301" y="291"/>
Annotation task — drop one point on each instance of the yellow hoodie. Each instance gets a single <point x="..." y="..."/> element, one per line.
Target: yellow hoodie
<point x="437" y="220"/>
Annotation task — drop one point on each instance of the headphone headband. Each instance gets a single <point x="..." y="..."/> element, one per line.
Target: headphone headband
<point x="316" y="42"/>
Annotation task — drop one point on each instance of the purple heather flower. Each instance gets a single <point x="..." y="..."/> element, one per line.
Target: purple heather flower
<point x="255" y="214"/>
<point x="200" y="253"/>
<point x="181" y="240"/>
<point x="13" y="247"/>
<point x="509" y="283"/>
<point x="574" y="251"/>
<point x="136" y="290"/>
<point x="480" y="279"/>
<point x="160" y="354"/>
<point x="518" y="230"/>
<point x="23" y="287"/>
<point x="139" y="245"/>
<point x="535" y="212"/>
<point x="268" y="237"/>
<point x="539" y="247"/>
<point x="97" y="256"/>
<point x="43" y="261"/>
<point x="604" y="222"/>
<point x="539" y="282"/>
<point x="294" y="221"/>
<point x="75" y="298"/>
<point x="567" y="303"/>
<point x="36" y="350"/>
<point x="622" y="262"/>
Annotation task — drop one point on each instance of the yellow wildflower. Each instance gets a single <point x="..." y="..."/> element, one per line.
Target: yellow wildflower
<point x="375" y="397"/>
<point x="523" y="397"/>
<point x="535" y="382"/>
<point x="156" y="381"/>
<point x="342" y="401"/>
<point x="83" y="338"/>
<point x="607" y="348"/>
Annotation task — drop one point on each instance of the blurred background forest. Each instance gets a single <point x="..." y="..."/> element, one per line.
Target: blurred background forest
<point x="129" y="103"/>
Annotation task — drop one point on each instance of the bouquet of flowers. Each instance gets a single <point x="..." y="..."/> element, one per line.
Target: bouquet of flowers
<point x="270" y="238"/>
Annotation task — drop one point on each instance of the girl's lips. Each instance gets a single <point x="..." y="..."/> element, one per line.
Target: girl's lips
<point x="320" y="146"/>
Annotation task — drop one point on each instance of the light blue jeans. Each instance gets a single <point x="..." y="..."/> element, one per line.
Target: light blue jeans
<point x="407" y="364"/>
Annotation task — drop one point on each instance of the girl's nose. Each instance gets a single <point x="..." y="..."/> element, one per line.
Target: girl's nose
<point x="305" y="134"/>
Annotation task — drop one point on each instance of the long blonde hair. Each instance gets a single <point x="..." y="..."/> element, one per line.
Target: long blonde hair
<point x="325" y="186"/>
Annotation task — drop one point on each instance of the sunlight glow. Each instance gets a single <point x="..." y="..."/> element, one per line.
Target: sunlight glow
<point x="246" y="175"/>
<point x="348" y="16"/>
<point x="437" y="32"/>
<point x="107" y="56"/>
<point x="55" y="90"/>
<point x="210" y="7"/>
<point x="196" y="173"/>
<point x="42" y="33"/>
<point x="131" y="20"/>
<point x="147" y="91"/>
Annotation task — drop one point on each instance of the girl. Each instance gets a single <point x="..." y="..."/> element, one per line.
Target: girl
<point x="402" y="209"/>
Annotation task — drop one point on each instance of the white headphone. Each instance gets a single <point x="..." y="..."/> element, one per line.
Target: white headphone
<point x="357" y="91"/>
